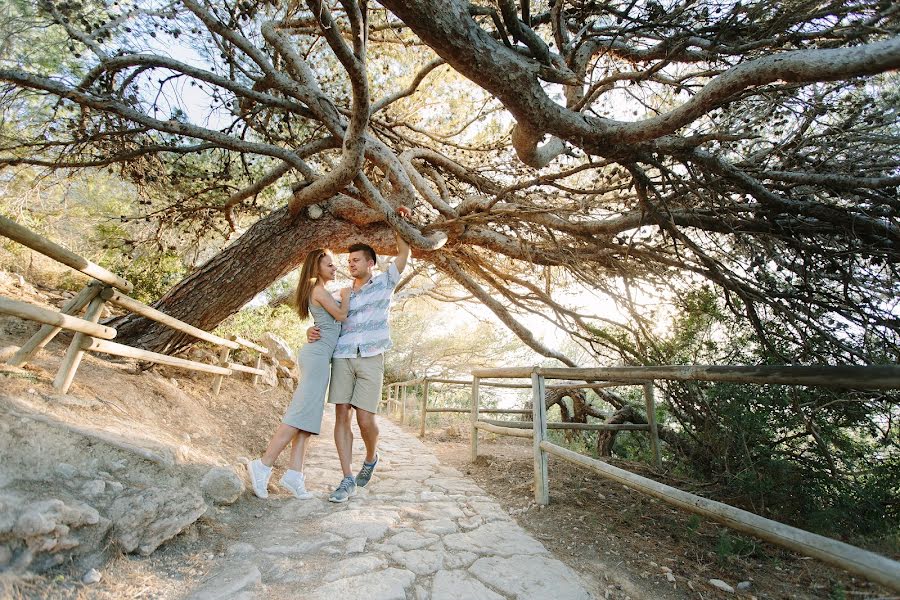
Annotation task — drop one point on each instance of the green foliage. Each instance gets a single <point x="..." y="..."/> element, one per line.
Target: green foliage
<point x="826" y="460"/>
<point x="729" y="545"/>
<point x="251" y="323"/>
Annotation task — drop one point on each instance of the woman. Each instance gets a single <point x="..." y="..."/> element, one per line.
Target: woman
<point x="304" y="415"/>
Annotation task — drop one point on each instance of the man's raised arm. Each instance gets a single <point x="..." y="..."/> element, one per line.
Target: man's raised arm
<point x="402" y="246"/>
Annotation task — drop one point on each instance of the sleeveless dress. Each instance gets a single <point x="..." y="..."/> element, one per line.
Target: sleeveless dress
<point x="308" y="403"/>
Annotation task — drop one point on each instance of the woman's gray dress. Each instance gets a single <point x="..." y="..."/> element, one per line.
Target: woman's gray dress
<point x="308" y="403"/>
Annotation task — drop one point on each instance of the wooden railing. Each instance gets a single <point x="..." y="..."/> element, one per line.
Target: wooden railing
<point x="93" y="337"/>
<point x="856" y="560"/>
<point x="396" y="401"/>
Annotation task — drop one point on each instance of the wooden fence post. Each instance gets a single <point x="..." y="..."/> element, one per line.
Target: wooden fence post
<point x="403" y="405"/>
<point x="650" y="401"/>
<point x="424" y="411"/>
<point x="224" y="355"/>
<point x="48" y="332"/>
<point x="539" y="423"/>
<point x="259" y="360"/>
<point x="70" y="363"/>
<point x="473" y="417"/>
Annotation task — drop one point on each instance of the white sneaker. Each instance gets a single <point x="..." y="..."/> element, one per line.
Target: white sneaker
<point x="259" y="477"/>
<point x="295" y="483"/>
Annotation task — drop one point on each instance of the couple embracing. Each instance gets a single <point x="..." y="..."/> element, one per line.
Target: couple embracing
<point x="346" y="346"/>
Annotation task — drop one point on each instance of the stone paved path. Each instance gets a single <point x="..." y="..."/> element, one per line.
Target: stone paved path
<point x="419" y="531"/>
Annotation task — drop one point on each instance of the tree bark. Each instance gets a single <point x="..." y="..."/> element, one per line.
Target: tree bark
<point x="606" y="439"/>
<point x="268" y="250"/>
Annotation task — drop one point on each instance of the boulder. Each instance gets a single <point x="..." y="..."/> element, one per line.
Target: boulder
<point x="40" y="534"/>
<point x="144" y="519"/>
<point x="279" y="351"/>
<point x="270" y="374"/>
<point x="221" y="485"/>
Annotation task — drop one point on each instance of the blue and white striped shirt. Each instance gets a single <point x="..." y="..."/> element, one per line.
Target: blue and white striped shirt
<point x="366" y="331"/>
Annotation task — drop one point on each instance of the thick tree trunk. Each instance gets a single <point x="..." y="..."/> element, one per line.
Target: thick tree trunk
<point x="606" y="439"/>
<point x="267" y="251"/>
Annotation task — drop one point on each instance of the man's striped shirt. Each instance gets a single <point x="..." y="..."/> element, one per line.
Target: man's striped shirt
<point x="366" y="331"/>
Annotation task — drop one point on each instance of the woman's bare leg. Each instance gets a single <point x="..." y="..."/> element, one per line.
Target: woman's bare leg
<point x="283" y="435"/>
<point x="298" y="450"/>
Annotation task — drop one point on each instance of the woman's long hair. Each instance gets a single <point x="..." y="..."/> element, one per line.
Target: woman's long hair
<point x="309" y="275"/>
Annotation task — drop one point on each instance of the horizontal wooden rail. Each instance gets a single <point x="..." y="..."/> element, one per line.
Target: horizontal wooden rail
<point x="128" y="303"/>
<point x="510" y="431"/>
<point x="28" y="238"/>
<point x="245" y="369"/>
<point x="46" y="316"/>
<point x="249" y="344"/>
<point x="573" y="426"/>
<point x="95" y="345"/>
<point x="500" y="411"/>
<point x="856" y="560"/>
<point x="850" y="376"/>
<point x="523" y="386"/>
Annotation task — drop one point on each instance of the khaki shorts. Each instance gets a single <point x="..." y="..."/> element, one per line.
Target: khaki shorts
<point x="357" y="381"/>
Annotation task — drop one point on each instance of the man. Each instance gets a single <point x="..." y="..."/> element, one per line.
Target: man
<point x="357" y="367"/>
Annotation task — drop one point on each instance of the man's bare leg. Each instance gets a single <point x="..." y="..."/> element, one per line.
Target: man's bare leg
<point x="343" y="436"/>
<point x="368" y="428"/>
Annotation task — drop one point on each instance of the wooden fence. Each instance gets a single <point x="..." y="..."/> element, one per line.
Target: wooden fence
<point x="93" y="337"/>
<point x="856" y="560"/>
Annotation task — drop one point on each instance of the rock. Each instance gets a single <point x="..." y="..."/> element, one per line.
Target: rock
<point x="420" y="562"/>
<point x="221" y="485"/>
<point x="718" y="583"/>
<point x="94" y="488"/>
<point x="498" y="538"/>
<point x="91" y="577"/>
<point x="388" y="584"/>
<point x="355" y="546"/>
<point x="530" y="577"/>
<point x="744" y="586"/>
<point x="66" y="471"/>
<point x="411" y="540"/>
<point x="279" y="351"/>
<point x="459" y="560"/>
<point x="48" y="516"/>
<point x="354" y="566"/>
<point x="439" y="526"/>
<point x="303" y="547"/>
<point x="287" y="383"/>
<point x="144" y="519"/>
<point x="270" y="374"/>
<point x="451" y="585"/>
<point x="670" y="578"/>
<point x="353" y="524"/>
<point x="204" y="355"/>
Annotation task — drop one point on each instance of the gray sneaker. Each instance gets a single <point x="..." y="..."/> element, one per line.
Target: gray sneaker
<point x="365" y="474"/>
<point x="343" y="492"/>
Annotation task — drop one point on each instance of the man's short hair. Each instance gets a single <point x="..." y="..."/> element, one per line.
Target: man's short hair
<point x="370" y="252"/>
